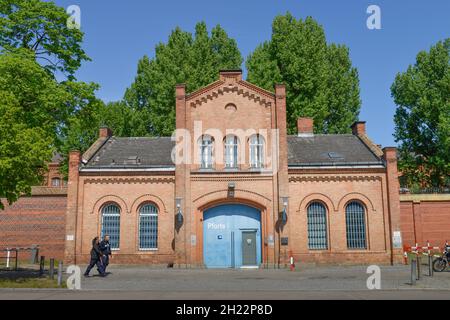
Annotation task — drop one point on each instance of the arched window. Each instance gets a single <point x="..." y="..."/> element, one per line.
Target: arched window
<point x="355" y="225"/>
<point x="206" y="152"/>
<point x="56" y="182"/>
<point x="148" y="227"/>
<point x="111" y="224"/>
<point x="317" y="227"/>
<point x="256" y="151"/>
<point x="231" y="151"/>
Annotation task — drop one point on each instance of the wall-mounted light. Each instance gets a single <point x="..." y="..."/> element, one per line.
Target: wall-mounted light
<point x="231" y="187"/>
<point x="285" y="201"/>
<point x="179" y="212"/>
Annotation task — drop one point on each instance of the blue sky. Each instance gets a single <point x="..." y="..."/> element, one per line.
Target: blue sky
<point x="118" y="33"/>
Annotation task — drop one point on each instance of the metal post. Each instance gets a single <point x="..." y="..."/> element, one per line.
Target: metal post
<point x="60" y="270"/>
<point x="430" y="265"/>
<point x="419" y="260"/>
<point x="413" y="271"/>
<point x="52" y="268"/>
<point x="17" y="260"/>
<point x="41" y="266"/>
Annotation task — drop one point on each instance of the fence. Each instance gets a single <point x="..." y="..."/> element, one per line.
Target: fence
<point x="12" y="254"/>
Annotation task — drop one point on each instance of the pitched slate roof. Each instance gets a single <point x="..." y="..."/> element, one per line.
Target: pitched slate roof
<point x="133" y="153"/>
<point x="317" y="150"/>
<point x="330" y="149"/>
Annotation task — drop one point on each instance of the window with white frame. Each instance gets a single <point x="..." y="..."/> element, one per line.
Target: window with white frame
<point x="231" y="152"/>
<point x="148" y="227"/>
<point x="256" y="151"/>
<point x="206" y="152"/>
<point x="56" y="182"/>
<point x="111" y="224"/>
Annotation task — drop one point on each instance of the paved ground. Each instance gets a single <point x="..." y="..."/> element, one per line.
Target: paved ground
<point x="305" y="283"/>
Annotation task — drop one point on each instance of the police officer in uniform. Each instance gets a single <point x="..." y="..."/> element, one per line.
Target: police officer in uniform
<point x="96" y="259"/>
<point x="105" y="248"/>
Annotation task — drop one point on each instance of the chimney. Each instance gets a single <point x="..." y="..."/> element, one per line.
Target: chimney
<point x="305" y="127"/>
<point x="105" y="132"/>
<point x="235" y="75"/>
<point x="359" y="128"/>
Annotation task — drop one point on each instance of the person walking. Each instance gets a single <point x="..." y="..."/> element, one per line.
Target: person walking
<point x="96" y="259"/>
<point x="105" y="248"/>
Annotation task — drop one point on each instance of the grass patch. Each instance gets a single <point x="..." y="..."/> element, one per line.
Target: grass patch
<point x="27" y="283"/>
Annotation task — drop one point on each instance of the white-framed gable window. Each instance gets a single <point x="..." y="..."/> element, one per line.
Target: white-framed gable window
<point x="206" y="152"/>
<point x="231" y="152"/>
<point x="256" y="143"/>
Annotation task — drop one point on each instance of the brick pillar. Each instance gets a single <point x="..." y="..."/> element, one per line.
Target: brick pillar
<point x="72" y="208"/>
<point x="393" y="198"/>
<point x="282" y="174"/>
<point x="181" y="176"/>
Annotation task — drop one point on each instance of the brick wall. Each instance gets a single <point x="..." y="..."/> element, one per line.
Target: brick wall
<point x="425" y="218"/>
<point x="39" y="219"/>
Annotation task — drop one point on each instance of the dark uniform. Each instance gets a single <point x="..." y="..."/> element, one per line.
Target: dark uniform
<point x="105" y="249"/>
<point x="96" y="256"/>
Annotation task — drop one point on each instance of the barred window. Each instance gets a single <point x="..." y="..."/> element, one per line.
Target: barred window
<point x="148" y="227"/>
<point x="111" y="224"/>
<point x="317" y="226"/>
<point x="356" y="225"/>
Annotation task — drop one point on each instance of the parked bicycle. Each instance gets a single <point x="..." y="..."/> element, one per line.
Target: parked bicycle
<point x="441" y="263"/>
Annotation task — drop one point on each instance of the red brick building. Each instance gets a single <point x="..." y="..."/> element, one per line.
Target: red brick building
<point x="232" y="189"/>
<point x="38" y="219"/>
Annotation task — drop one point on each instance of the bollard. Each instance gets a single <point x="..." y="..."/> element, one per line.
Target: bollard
<point x="8" y="256"/>
<point x="41" y="266"/>
<point x="60" y="271"/>
<point x="430" y="265"/>
<point x="413" y="272"/>
<point x="52" y="268"/>
<point x="419" y="268"/>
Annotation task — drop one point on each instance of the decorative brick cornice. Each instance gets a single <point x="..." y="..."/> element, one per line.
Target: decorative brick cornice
<point x="231" y="178"/>
<point x="238" y="191"/>
<point x="211" y="92"/>
<point x="333" y="178"/>
<point x="129" y="180"/>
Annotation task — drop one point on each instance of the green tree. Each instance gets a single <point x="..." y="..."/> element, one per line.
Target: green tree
<point x="193" y="60"/>
<point x="29" y="113"/>
<point x="320" y="80"/>
<point x="422" y="118"/>
<point x="41" y="27"/>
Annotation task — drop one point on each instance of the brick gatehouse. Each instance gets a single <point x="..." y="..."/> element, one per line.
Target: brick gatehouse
<point x="232" y="189"/>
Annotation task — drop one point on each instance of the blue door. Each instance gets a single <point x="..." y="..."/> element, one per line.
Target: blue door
<point x="226" y="233"/>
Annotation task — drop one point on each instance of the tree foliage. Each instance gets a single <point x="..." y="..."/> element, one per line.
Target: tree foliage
<point x="193" y="60"/>
<point x="320" y="79"/>
<point x="41" y="27"/>
<point x="29" y="111"/>
<point x="422" y="118"/>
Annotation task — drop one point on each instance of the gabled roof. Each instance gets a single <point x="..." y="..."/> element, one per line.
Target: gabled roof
<point x="154" y="153"/>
